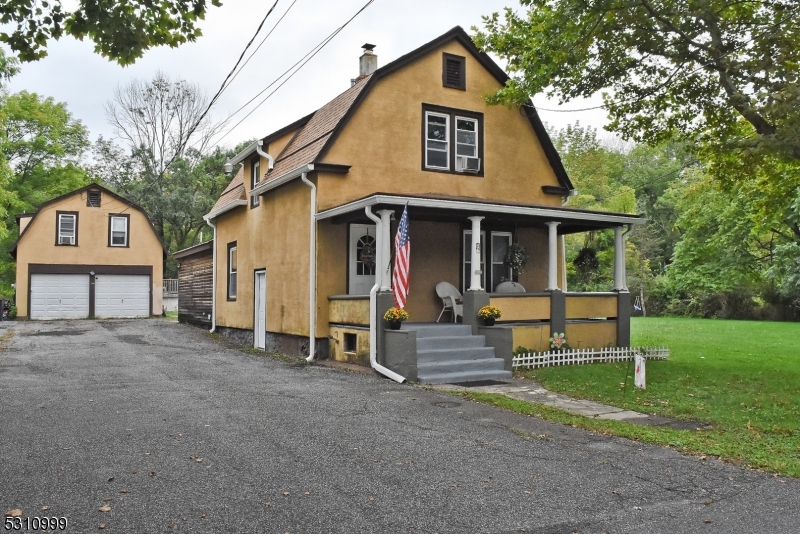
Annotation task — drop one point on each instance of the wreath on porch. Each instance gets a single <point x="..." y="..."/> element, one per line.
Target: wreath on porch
<point x="516" y="258"/>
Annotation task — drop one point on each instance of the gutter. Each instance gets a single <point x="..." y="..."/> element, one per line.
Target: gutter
<point x="281" y="180"/>
<point x="373" y="305"/>
<point x="480" y="207"/>
<point x="225" y="207"/>
<point x="312" y="270"/>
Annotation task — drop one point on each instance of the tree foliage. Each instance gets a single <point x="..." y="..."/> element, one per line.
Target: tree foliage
<point x="121" y="31"/>
<point x="41" y="146"/>
<point x="699" y="68"/>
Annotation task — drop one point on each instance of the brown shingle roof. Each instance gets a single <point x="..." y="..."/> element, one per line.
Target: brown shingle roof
<point x="307" y="144"/>
<point x="234" y="191"/>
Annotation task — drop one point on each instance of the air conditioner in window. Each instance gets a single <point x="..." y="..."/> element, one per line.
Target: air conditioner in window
<point x="468" y="164"/>
<point x="66" y="240"/>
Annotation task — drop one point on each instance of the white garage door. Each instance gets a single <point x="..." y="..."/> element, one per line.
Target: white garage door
<point x="122" y="295"/>
<point x="59" y="296"/>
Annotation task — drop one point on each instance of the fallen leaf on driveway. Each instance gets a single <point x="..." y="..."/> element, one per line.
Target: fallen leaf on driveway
<point x="101" y="526"/>
<point x="124" y="490"/>
<point x="16" y="512"/>
<point x="151" y="474"/>
<point x="286" y="493"/>
<point x="111" y="479"/>
<point x="104" y="509"/>
<point x="108" y="499"/>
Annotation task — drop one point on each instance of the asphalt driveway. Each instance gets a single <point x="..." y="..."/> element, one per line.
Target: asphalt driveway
<point x="171" y="431"/>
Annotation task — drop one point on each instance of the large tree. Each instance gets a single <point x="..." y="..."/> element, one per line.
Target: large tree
<point x="697" y="67"/>
<point x="121" y="31"/>
<point x="159" y="121"/>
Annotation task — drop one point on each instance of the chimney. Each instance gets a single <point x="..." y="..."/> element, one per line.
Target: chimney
<point x="367" y="63"/>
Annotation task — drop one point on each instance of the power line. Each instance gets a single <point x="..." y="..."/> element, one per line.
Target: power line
<point x="301" y="62"/>
<point x="222" y="87"/>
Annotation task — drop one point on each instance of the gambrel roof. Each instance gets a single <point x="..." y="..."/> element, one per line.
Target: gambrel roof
<point x="317" y="132"/>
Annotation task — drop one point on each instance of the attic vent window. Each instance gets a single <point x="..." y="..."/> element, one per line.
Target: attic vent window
<point x="454" y="72"/>
<point x="93" y="199"/>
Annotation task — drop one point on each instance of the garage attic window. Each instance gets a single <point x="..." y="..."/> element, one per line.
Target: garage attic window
<point x="67" y="229"/>
<point x="93" y="199"/>
<point x="118" y="231"/>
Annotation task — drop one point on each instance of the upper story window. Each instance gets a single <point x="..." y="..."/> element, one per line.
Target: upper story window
<point x="93" y="199"/>
<point x="118" y="230"/>
<point x="232" y="270"/>
<point x="254" y="175"/>
<point x="66" y="228"/>
<point x="454" y="71"/>
<point x="453" y="140"/>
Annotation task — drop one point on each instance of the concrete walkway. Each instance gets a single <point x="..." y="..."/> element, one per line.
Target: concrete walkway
<point x="531" y="391"/>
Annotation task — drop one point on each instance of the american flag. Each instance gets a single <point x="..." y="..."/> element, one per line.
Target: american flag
<point x="402" y="249"/>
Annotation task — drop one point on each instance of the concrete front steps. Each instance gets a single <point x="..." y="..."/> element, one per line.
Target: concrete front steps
<point x="450" y="354"/>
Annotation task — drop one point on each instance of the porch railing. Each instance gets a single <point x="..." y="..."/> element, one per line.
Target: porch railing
<point x="535" y="360"/>
<point x="170" y="287"/>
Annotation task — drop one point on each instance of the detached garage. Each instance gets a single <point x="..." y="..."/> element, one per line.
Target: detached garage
<point x="89" y="253"/>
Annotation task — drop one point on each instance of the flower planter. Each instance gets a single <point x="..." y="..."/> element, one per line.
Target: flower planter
<point x="395" y="325"/>
<point x="489" y="321"/>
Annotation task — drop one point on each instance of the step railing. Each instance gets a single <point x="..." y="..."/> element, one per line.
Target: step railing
<point x="535" y="360"/>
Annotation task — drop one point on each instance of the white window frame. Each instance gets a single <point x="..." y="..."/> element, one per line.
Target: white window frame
<point x="62" y="233"/>
<point x="476" y="132"/>
<point x="125" y="241"/>
<point x="446" y="141"/>
<point x="233" y="275"/>
<point x="254" y="171"/>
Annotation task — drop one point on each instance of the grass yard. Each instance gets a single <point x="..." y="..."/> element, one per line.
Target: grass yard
<point x="741" y="376"/>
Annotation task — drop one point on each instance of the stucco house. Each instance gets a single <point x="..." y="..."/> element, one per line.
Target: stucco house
<point x="304" y="232"/>
<point x="88" y="253"/>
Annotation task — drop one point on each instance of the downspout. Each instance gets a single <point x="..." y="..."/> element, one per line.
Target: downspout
<point x="213" y="278"/>
<point x="270" y="161"/>
<point x="373" y="304"/>
<point x="312" y="266"/>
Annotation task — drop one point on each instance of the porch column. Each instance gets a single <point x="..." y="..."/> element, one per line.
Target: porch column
<point x="552" y="256"/>
<point x="475" y="260"/>
<point x="385" y="257"/>
<point x="619" y="260"/>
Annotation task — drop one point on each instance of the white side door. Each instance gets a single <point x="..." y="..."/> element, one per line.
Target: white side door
<point x="59" y="296"/>
<point x="260" y="319"/>
<point x="122" y="295"/>
<point x="361" y="259"/>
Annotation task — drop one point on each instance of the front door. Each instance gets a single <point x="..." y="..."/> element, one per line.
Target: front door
<point x="361" y="259"/>
<point x="260" y="319"/>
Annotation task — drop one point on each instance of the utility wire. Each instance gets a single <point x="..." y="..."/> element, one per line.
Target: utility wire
<point x="305" y="59"/>
<point x="221" y="88"/>
<point x="261" y="43"/>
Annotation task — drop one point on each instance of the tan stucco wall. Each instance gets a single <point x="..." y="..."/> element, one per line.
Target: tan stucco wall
<point x="533" y="337"/>
<point x="37" y="245"/>
<point x="383" y="141"/>
<point x="591" y="335"/>
<point x="523" y="308"/>
<point x="336" y="345"/>
<point x="274" y="236"/>
<point x="591" y="307"/>
<point x="349" y="312"/>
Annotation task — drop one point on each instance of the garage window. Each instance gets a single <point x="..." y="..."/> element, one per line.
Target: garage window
<point x="118" y="230"/>
<point x="232" y="270"/>
<point x="66" y="228"/>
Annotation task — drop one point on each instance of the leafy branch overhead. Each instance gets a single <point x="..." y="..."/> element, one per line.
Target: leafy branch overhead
<point x="701" y="69"/>
<point x="121" y="31"/>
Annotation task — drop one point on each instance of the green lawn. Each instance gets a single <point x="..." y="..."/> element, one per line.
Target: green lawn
<point x="743" y="377"/>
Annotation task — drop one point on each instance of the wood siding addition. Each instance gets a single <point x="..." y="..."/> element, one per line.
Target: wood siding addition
<point x="195" y="289"/>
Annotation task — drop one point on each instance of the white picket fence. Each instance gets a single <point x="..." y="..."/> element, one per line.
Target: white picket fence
<point x="534" y="360"/>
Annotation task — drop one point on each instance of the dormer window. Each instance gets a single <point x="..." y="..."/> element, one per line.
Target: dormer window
<point x="454" y="73"/>
<point x="452" y="140"/>
<point x="93" y="199"/>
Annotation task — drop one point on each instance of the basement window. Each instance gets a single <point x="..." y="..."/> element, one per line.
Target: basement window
<point x="454" y="73"/>
<point x="350" y="342"/>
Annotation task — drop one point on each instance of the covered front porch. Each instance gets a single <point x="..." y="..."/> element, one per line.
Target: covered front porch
<point x="448" y="237"/>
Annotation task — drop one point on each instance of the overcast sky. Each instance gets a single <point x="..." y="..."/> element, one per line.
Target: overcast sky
<point x="74" y="74"/>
